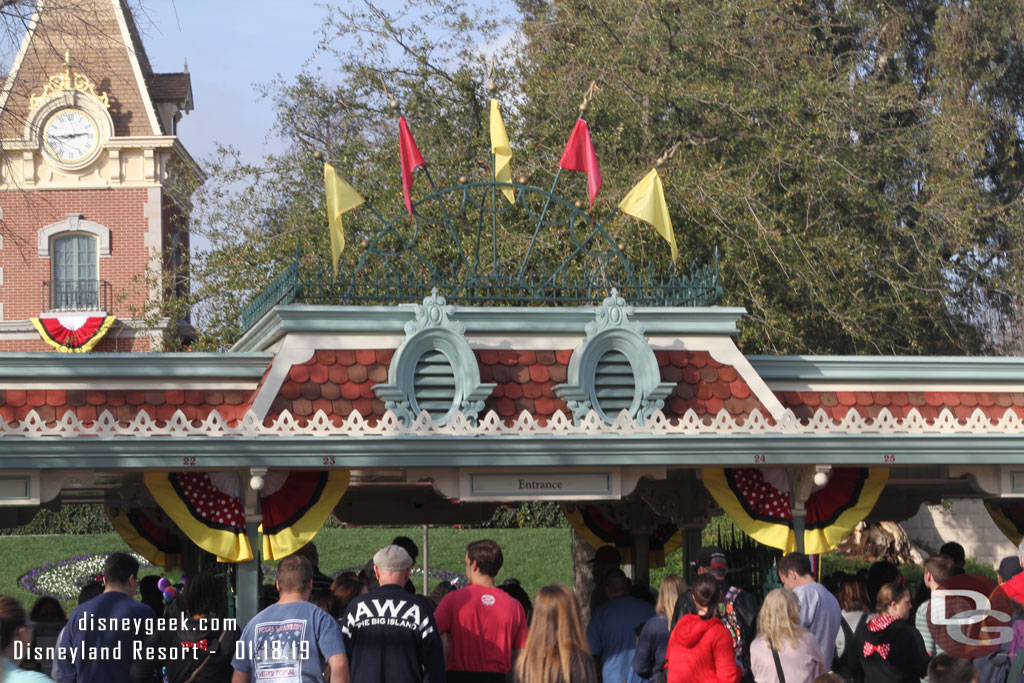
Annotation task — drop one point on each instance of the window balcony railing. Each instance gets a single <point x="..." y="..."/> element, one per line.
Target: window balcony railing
<point x="76" y="295"/>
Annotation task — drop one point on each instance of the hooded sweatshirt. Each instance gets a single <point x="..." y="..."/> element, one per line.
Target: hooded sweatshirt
<point x="701" y="651"/>
<point x="891" y="651"/>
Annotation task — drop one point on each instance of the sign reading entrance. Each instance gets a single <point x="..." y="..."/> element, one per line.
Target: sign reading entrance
<point x="540" y="485"/>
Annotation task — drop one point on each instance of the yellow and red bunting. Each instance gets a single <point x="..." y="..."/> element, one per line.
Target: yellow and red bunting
<point x="760" y="505"/>
<point x="207" y="509"/>
<point x="597" y="530"/>
<point x="73" y="334"/>
<point x="209" y="513"/>
<point x="1008" y="515"/>
<point x="295" y="512"/>
<point x="149" y="533"/>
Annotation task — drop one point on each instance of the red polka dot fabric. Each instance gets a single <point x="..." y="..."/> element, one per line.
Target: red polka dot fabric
<point x="209" y="503"/>
<point x="762" y="498"/>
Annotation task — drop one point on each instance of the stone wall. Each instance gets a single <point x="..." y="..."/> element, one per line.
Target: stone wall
<point x="965" y="522"/>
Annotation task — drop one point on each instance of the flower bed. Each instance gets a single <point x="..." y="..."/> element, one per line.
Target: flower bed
<point x="64" y="578"/>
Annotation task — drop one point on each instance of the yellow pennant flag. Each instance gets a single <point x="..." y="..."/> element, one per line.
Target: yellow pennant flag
<point x="646" y="201"/>
<point x="341" y="197"/>
<point x="502" y="152"/>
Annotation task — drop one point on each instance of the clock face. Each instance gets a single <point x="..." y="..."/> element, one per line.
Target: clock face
<point x="70" y="135"/>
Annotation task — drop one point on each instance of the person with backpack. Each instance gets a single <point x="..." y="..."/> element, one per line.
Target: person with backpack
<point x="852" y="594"/>
<point x="737" y="608"/>
<point x="700" y="648"/>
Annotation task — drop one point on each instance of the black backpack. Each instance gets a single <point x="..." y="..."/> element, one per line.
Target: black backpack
<point x="842" y="664"/>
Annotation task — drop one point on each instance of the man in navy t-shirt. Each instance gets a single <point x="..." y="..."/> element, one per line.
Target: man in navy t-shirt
<point x="98" y="643"/>
<point x="292" y="641"/>
<point x="612" y="631"/>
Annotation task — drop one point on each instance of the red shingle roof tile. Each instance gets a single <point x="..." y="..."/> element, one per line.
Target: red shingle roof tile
<point x="928" y="404"/>
<point x="357" y="373"/>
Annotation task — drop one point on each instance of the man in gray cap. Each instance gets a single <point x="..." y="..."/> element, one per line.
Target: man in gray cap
<point x="391" y="635"/>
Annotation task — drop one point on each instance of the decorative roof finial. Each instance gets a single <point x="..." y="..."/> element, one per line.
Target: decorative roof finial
<point x="392" y="102"/>
<point x="588" y="96"/>
<point x="667" y="155"/>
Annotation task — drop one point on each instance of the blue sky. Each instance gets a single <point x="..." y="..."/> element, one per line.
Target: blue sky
<point x="231" y="46"/>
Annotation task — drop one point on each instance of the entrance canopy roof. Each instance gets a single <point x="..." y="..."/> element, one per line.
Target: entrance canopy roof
<point x="433" y="385"/>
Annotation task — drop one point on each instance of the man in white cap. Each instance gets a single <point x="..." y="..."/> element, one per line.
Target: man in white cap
<point x="391" y="635"/>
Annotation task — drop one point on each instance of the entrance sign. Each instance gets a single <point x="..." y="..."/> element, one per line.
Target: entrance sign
<point x="496" y="484"/>
<point x="587" y="485"/>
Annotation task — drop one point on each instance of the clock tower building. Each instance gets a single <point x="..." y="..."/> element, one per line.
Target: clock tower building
<point x="91" y="217"/>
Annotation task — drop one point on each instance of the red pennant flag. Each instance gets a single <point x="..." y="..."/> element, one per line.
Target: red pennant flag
<point x="411" y="159"/>
<point x="579" y="156"/>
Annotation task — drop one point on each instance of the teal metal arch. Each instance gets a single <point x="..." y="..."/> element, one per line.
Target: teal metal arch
<point x="477" y="249"/>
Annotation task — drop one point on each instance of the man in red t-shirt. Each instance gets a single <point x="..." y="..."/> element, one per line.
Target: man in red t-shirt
<point x="484" y="626"/>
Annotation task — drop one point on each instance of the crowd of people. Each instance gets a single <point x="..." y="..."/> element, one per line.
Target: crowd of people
<point x="371" y="626"/>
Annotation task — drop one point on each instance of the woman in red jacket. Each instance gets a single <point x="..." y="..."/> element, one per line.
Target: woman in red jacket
<point x="700" y="648"/>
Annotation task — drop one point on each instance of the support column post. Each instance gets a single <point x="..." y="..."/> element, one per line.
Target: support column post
<point x="642" y="558"/>
<point x="426" y="559"/>
<point x="247" y="595"/>
<point x="691" y="546"/>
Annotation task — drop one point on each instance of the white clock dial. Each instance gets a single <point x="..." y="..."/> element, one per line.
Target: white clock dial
<point x="70" y="135"/>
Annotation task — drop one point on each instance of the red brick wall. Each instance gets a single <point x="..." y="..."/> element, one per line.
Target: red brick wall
<point x="24" y="213"/>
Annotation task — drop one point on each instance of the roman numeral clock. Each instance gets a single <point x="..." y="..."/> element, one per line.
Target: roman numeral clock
<point x="70" y="135"/>
<point x="70" y="120"/>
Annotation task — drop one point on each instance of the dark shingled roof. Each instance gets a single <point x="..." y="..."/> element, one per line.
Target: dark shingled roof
<point x="171" y="87"/>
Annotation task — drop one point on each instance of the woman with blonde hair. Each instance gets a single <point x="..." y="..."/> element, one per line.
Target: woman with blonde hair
<point x="649" y="659"/>
<point x="783" y="651"/>
<point x="556" y="648"/>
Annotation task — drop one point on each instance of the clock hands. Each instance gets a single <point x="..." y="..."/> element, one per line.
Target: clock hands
<point x="70" y="135"/>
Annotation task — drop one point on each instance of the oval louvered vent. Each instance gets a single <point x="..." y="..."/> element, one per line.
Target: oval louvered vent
<point x="434" y="384"/>
<point x="614" y="384"/>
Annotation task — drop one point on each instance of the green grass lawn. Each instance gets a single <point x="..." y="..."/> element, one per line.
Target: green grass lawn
<point x="536" y="557"/>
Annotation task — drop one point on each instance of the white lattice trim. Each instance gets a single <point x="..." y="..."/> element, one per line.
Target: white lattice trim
<point x="286" y="425"/>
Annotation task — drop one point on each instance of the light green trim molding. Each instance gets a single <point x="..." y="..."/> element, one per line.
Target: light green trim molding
<point x="881" y="369"/>
<point x="514" y="451"/>
<point x="342" y="320"/>
<point x="87" y="366"/>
